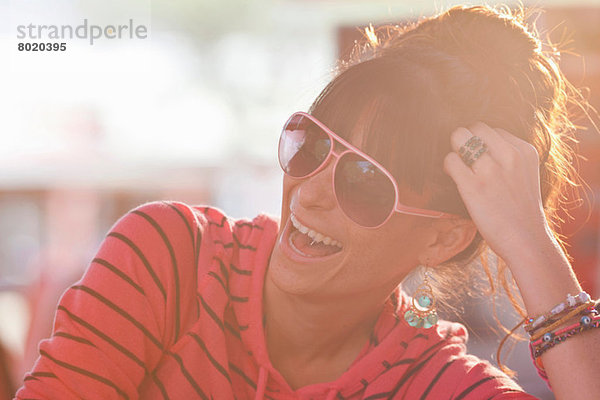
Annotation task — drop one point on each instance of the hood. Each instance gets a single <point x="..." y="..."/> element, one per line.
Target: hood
<point x="393" y="343"/>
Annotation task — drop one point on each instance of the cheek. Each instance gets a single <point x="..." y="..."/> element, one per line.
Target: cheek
<point x="381" y="261"/>
<point x="399" y="245"/>
<point x="287" y="188"/>
<point x="288" y="183"/>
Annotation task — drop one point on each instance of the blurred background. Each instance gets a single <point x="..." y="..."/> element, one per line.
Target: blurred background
<point x="193" y="113"/>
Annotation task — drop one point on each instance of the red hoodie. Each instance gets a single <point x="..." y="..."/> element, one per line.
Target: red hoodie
<point x="171" y="308"/>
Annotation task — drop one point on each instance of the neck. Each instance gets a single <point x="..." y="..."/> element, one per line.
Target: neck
<point x="316" y="333"/>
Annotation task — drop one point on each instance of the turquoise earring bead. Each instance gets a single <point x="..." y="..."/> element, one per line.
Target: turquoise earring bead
<point x="422" y="311"/>
<point x="413" y="320"/>
<point x="430" y="321"/>
<point x="424" y="301"/>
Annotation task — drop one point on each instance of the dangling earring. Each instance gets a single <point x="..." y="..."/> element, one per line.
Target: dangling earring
<point x="422" y="312"/>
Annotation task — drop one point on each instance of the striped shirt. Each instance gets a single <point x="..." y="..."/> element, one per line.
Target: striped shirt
<point x="171" y="308"/>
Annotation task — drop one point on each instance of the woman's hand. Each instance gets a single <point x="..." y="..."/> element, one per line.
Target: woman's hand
<point x="501" y="190"/>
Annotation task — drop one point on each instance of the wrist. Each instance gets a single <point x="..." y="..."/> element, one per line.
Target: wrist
<point x="542" y="272"/>
<point x="533" y="247"/>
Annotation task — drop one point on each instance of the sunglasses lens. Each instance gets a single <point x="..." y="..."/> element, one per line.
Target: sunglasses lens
<point x="303" y="146"/>
<point x="363" y="191"/>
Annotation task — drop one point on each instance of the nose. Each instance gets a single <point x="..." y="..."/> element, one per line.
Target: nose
<point x="316" y="192"/>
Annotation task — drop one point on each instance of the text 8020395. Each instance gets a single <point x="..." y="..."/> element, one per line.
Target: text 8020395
<point x="34" y="46"/>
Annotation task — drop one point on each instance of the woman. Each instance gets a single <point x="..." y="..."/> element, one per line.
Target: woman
<point x="404" y="160"/>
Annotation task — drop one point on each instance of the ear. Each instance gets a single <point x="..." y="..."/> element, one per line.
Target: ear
<point x="447" y="238"/>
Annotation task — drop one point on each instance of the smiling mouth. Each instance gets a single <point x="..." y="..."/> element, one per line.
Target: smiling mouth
<point x="310" y="243"/>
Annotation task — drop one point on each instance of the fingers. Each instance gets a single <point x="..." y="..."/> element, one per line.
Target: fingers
<point x="503" y="148"/>
<point x="461" y="135"/>
<point x="457" y="169"/>
<point x="526" y="149"/>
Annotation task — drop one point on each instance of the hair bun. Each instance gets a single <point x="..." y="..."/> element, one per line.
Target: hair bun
<point x="482" y="36"/>
<point x="500" y="35"/>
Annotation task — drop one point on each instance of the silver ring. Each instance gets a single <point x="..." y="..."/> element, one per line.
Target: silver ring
<point x="472" y="150"/>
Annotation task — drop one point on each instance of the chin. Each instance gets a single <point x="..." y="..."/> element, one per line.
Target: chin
<point x="284" y="277"/>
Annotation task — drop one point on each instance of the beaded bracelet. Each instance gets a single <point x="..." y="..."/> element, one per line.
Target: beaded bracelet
<point x="537" y="361"/>
<point x="549" y="341"/>
<point x="571" y="302"/>
<point x="550" y="320"/>
<point x="584" y="320"/>
<point x="591" y="312"/>
<point x="546" y="329"/>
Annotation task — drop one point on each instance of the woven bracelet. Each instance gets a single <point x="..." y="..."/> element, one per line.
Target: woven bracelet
<point x="534" y="323"/>
<point x="546" y="338"/>
<point x="550" y="340"/>
<point x="582" y="308"/>
<point x="551" y="319"/>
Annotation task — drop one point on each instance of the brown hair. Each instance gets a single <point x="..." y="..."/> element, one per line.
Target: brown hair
<point x="417" y="83"/>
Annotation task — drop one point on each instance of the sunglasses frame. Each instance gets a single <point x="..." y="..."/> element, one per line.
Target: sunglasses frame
<point x="398" y="207"/>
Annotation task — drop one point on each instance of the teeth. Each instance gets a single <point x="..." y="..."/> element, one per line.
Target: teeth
<point x="314" y="235"/>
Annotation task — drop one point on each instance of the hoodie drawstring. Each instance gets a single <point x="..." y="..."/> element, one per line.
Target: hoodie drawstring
<point x="263" y="375"/>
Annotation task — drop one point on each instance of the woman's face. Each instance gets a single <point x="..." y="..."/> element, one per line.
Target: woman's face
<point x="373" y="260"/>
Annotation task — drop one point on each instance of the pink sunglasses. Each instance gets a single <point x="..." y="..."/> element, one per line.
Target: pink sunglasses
<point x="365" y="191"/>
